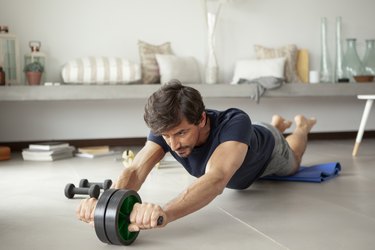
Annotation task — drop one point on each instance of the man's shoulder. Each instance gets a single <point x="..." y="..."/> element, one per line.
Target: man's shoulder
<point x="233" y="118"/>
<point x="235" y="115"/>
<point x="232" y="125"/>
<point x="231" y="112"/>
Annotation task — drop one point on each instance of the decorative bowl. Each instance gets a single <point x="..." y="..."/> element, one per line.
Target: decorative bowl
<point x="364" y="78"/>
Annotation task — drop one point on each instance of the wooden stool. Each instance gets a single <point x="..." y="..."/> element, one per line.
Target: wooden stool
<point x="366" y="112"/>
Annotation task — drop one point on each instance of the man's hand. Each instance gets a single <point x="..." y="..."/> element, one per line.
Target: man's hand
<point x="86" y="209"/>
<point x="145" y="216"/>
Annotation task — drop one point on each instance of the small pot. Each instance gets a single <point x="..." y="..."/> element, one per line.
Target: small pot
<point x="364" y="78"/>
<point x="33" y="78"/>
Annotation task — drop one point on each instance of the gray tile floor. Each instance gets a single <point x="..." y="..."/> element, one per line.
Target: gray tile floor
<point x="337" y="214"/>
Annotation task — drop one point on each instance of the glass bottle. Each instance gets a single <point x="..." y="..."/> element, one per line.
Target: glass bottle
<point x="325" y="61"/>
<point x="369" y="57"/>
<point x="351" y="62"/>
<point x="339" y="72"/>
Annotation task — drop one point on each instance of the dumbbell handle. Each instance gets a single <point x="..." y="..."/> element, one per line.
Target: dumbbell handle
<point x="103" y="185"/>
<point x="78" y="190"/>
<point x="100" y="184"/>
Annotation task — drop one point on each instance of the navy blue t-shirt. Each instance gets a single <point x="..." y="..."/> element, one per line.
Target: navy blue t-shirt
<point x="229" y="125"/>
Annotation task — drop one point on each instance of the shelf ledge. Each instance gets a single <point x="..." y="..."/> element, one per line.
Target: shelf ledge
<point x="120" y="92"/>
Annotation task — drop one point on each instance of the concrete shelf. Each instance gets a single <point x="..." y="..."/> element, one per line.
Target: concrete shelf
<point x="119" y="92"/>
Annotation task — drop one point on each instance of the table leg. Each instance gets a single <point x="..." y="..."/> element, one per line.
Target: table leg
<point x="365" y="115"/>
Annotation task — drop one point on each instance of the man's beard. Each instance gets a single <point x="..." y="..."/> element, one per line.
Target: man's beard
<point x="184" y="151"/>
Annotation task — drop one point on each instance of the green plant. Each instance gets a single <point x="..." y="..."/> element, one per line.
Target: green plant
<point x="34" y="67"/>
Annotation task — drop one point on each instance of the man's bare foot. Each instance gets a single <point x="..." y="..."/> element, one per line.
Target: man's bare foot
<point x="305" y="123"/>
<point x="280" y="123"/>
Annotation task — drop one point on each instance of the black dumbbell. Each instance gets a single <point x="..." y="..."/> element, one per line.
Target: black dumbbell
<point x="111" y="216"/>
<point x="71" y="190"/>
<point x="103" y="185"/>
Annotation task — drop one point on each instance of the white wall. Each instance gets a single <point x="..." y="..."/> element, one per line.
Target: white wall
<point x="75" y="28"/>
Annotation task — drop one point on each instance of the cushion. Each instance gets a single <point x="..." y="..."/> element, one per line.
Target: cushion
<point x="185" y="69"/>
<point x="289" y="52"/>
<point x="250" y="69"/>
<point x="149" y="66"/>
<point x="100" y="70"/>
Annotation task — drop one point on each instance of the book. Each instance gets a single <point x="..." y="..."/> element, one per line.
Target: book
<point x="95" y="154"/>
<point x="47" y="155"/>
<point x="94" y="149"/>
<point x="49" y="145"/>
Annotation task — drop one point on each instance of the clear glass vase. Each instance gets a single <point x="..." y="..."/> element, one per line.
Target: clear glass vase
<point x="326" y="75"/>
<point x="339" y="71"/>
<point x="369" y="57"/>
<point x="212" y="69"/>
<point x="351" y="62"/>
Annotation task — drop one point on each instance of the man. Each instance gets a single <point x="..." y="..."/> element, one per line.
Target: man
<point x="221" y="148"/>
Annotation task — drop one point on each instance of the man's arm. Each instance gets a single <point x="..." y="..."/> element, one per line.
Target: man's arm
<point x="131" y="177"/>
<point x="224" y="162"/>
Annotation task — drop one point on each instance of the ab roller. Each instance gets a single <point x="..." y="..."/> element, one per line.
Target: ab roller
<point x="111" y="215"/>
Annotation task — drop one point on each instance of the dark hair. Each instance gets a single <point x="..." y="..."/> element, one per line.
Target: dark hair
<point x="167" y="107"/>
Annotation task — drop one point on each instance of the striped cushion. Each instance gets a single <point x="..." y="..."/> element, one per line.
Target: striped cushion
<point x="100" y="70"/>
<point x="149" y="65"/>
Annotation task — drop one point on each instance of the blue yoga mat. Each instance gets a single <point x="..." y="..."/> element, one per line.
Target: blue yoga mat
<point x="315" y="173"/>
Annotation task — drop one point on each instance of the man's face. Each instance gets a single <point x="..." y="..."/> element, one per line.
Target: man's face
<point x="183" y="138"/>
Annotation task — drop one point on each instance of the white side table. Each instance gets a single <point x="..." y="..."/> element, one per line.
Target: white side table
<point x="366" y="112"/>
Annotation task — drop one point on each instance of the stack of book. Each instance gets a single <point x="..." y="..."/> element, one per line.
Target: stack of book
<point x="94" y="152"/>
<point x="48" y="151"/>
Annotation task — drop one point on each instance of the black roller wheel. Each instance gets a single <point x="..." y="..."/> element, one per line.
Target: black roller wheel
<point x="117" y="217"/>
<point x="99" y="215"/>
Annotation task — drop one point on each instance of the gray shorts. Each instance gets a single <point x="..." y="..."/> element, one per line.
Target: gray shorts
<point x="282" y="159"/>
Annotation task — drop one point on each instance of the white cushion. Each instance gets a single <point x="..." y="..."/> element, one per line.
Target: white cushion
<point x="184" y="69"/>
<point x="100" y="70"/>
<point x="290" y="52"/>
<point x="251" y="69"/>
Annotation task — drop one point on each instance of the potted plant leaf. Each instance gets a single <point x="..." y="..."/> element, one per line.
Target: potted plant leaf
<point x="33" y="72"/>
